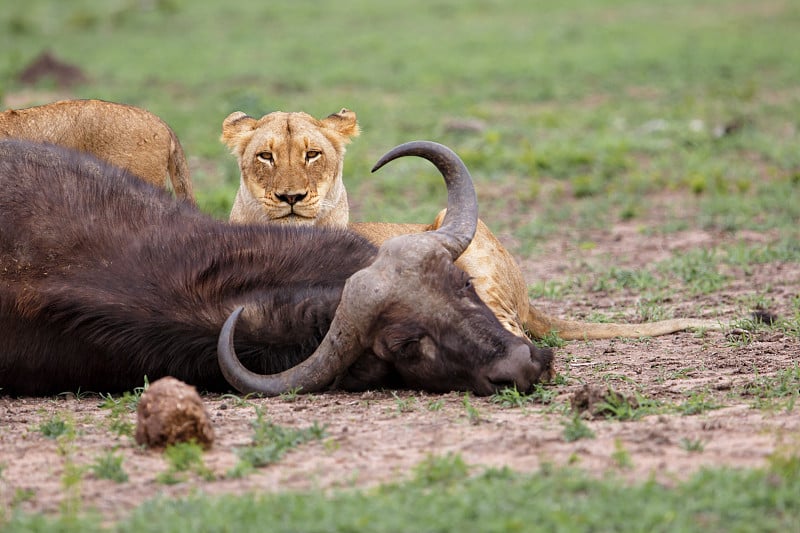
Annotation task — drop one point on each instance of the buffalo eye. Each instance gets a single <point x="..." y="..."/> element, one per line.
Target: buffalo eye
<point x="265" y="157"/>
<point x="415" y="349"/>
<point x="466" y="287"/>
<point x="408" y="350"/>
<point x="311" y="155"/>
<point x="404" y="349"/>
<point x="403" y="343"/>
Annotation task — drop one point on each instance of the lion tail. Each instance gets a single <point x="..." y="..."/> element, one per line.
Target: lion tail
<point x="179" y="170"/>
<point x="539" y="325"/>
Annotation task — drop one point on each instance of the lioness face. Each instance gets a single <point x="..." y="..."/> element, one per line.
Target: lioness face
<point x="291" y="164"/>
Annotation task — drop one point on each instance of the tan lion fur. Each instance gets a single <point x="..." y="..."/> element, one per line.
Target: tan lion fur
<point x="123" y="135"/>
<point x="496" y="276"/>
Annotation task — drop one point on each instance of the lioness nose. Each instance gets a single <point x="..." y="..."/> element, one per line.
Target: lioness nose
<point x="290" y="199"/>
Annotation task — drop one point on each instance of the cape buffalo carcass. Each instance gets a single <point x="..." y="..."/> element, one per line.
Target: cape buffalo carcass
<point x="105" y="280"/>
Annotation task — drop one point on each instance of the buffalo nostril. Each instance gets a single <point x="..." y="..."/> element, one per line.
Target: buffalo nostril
<point x="543" y="357"/>
<point x="290" y="199"/>
<point x="517" y="368"/>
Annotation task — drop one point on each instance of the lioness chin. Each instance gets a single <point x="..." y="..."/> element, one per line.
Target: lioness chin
<point x="291" y="172"/>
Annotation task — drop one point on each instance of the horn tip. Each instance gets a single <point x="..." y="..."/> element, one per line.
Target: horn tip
<point x="234" y="315"/>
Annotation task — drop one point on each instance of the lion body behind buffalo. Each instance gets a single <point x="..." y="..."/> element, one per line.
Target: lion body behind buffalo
<point x="123" y="135"/>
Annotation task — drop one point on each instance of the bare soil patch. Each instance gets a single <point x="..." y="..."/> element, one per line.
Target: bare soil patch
<point x="381" y="436"/>
<point x="47" y="66"/>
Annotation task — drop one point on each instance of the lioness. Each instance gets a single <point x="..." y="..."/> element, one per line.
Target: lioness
<point x="291" y="172"/>
<point x="291" y="167"/>
<point x="124" y="135"/>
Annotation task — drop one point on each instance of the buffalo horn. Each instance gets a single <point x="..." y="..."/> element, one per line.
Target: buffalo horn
<point x="337" y="351"/>
<point x="461" y="219"/>
<point x="363" y="291"/>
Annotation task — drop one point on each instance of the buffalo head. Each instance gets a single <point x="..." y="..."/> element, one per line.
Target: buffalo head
<point x="411" y="318"/>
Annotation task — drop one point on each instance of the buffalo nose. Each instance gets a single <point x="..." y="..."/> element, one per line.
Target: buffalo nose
<point x="517" y="368"/>
<point x="290" y="199"/>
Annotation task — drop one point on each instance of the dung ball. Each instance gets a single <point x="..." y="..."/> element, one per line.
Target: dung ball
<point x="169" y="412"/>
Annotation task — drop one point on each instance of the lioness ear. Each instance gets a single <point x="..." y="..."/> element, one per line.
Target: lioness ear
<point x="233" y="126"/>
<point x="344" y="123"/>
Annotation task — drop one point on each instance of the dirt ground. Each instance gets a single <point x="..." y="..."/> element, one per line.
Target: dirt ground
<point x="381" y="436"/>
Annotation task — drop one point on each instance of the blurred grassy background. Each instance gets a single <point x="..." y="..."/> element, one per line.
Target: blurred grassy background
<point x="578" y="113"/>
<point x="572" y="115"/>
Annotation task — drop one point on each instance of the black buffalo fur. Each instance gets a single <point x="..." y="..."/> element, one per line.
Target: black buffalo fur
<point x="105" y="280"/>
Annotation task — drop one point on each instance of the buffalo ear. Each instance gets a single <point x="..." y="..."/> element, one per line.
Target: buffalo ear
<point x="344" y="123"/>
<point x="234" y="127"/>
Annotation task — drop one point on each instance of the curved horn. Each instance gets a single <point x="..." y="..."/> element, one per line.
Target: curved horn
<point x="461" y="220"/>
<point x="342" y="344"/>
<point x="338" y="350"/>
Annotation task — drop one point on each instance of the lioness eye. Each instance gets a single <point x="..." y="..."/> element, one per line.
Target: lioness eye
<point x="264" y="157"/>
<point x="312" y="154"/>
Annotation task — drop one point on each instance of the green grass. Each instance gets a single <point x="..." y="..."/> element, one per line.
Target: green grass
<point x="443" y="496"/>
<point x="182" y="459"/>
<point x="692" y="445"/>
<point x="62" y="429"/>
<point x="698" y="402"/>
<point x="621" y="456"/>
<point x="55" y="426"/>
<point x="473" y="413"/>
<point x="780" y="390"/>
<point x="696" y="271"/>
<point x="121" y="409"/>
<point x="449" y="469"/>
<point x="270" y="442"/>
<point x="404" y="405"/>
<point x="576" y="429"/>
<point x="616" y="406"/>
<point x="511" y="397"/>
<point x="109" y="466"/>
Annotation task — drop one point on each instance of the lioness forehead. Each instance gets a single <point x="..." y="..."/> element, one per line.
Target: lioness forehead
<point x="280" y="129"/>
<point x="281" y="119"/>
